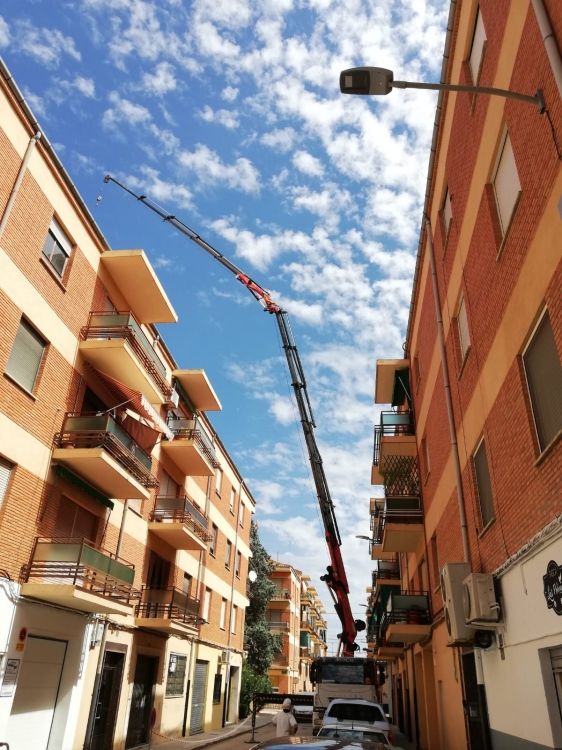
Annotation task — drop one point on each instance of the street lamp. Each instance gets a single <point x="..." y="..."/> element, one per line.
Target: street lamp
<point x="380" y="81"/>
<point x="361" y="536"/>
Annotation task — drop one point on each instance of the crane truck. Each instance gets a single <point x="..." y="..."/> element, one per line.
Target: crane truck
<point x="335" y="576"/>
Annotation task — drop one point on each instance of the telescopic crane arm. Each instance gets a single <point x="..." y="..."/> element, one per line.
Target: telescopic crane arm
<point x="335" y="576"/>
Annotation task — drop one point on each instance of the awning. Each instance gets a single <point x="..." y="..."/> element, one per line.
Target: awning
<point x="70" y="476"/>
<point x="401" y="388"/>
<point x="133" y="399"/>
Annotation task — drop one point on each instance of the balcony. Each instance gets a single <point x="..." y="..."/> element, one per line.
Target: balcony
<point x="179" y="523"/>
<point x="98" y="449"/>
<point x="402" y="524"/>
<point x="191" y="449"/>
<point x="115" y="344"/>
<point x="386" y="575"/>
<point x="392" y="381"/>
<point x="278" y="625"/>
<point x="389" y="651"/>
<point x="198" y="389"/>
<point x="280" y="594"/>
<point x="167" y="610"/>
<point x="133" y="274"/>
<point x="75" y="573"/>
<point x="395" y="436"/>
<point x="407" y="618"/>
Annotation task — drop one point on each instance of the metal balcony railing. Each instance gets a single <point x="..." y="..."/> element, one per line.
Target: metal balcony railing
<point x="392" y="424"/>
<point x="278" y="625"/>
<point x="406" y="607"/>
<point x="280" y="593"/>
<point x="103" y="431"/>
<point x="387" y="570"/>
<point x="78" y="562"/>
<point x="167" y="604"/>
<point x="190" y="429"/>
<point x="123" y="325"/>
<point x="396" y="510"/>
<point x="181" y="510"/>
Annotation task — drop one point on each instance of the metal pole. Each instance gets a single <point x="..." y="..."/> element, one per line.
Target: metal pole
<point x="537" y="99"/>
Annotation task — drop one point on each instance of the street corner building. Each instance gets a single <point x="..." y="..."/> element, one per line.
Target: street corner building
<point x="465" y="607"/>
<point x="124" y="523"/>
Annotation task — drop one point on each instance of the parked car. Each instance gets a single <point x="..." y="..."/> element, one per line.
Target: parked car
<point x="303" y="713"/>
<point x="364" y="733"/>
<point x="356" y="712"/>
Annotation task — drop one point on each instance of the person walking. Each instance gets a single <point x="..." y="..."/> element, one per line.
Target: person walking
<point x="285" y="722"/>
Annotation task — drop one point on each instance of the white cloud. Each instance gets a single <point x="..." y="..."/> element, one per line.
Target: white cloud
<point x="85" y="86"/>
<point x="308" y="164"/>
<point x="208" y="168"/>
<point x="160" y="81"/>
<point x="47" y="46"/>
<point x="229" y="93"/>
<point x="280" y="138"/>
<point x="223" y="117"/>
<point x="4" y="33"/>
<point x="124" y="110"/>
<point x="161" y="190"/>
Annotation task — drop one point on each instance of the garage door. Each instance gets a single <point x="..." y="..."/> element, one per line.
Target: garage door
<point x="198" y="699"/>
<point x="31" y="718"/>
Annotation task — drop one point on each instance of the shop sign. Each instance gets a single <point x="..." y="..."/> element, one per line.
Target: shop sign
<point x="10" y="678"/>
<point x="552" y="580"/>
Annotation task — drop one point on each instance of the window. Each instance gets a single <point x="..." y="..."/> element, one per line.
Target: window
<point x="206" y="605"/>
<point x="5" y="474"/>
<point x="238" y="564"/>
<point x="214" y="537"/>
<point x="434" y="562"/>
<point x="26" y="356"/>
<point x="228" y="554"/>
<point x="223" y="614"/>
<point x="447" y="212"/>
<point x="217" y="687"/>
<point x="186" y="585"/>
<point x="241" y="513"/>
<point x="544" y="381"/>
<point x="218" y="481"/>
<point x="477" y="47"/>
<point x="233" y="618"/>
<point x="176" y="675"/>
<point x="72" y="521"/>
<point x="483" y="484"/>
<point x="462" y="329"/>
<point x="506" y="184"/>
<point x="417" y="371"/>
<point x="57" y="248"/>
<point x="232" y="499"/>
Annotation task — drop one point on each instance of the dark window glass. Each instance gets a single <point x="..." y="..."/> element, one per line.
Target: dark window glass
<point x="484" y="484"/>
<point x="25" y="357"/>
<point x="217" y="688"/>
<point x="176" y="674"/>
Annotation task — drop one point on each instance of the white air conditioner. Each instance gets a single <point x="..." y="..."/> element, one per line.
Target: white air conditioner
<point x="174" y="398"/>
<point x="479" y="600"/>
<point x="452" y="577"/>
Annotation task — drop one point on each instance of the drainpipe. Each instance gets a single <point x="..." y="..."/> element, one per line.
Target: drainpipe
<point x="447" y="389"/>
<point x="549" y="41"/>
<point x="23" y="166"/>
<point x="101" y="654"/>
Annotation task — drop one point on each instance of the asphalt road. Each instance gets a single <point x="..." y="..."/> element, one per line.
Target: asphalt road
<point x="244" y="742"/>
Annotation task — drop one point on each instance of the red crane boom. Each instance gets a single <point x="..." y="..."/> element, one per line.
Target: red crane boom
<point x="335" y="576"/>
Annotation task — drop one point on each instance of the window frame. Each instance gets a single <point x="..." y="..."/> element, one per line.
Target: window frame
<point x="500" y="193"/>
<point x="175" y="659"/>
<point x="463" y="330"/>
<point x="475" y="75"/>
<point x="487" y="514"/>
<point x="207" y="594"/>
<point x="214" y="540"/>
<point x="60" y="240"/>
<point x="217" y="683"/>
<point x="31" y="331"/>
<point x="447" y="214"/>
<point x="241" y="514"/>
<point x="6" y="474"/>
<point x="232" y="500"/>
<point x="218" y="481"/>
<point x="222" y="617"/>
<point x="238" y="564"/>
<point x="228" y="554"/>
<point x="233" y="619"/>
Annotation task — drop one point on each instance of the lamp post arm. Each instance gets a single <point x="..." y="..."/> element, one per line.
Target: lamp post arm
<point x="537" y="99"/>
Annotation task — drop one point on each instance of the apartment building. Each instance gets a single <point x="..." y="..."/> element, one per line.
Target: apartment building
<point x="313" y="629"/>
<point x="283" y="617"/>
<point x="465" y="606"/>
<point x="124" y="523"/>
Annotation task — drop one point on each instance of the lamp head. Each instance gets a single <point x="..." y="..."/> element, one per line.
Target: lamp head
<point x="365" y="81"/>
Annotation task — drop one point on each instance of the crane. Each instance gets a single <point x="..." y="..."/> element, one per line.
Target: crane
<point x="335" y="576"/>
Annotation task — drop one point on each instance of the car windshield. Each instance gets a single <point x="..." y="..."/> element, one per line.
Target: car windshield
<point x="350" y="733"/>
<point x="355" y="712"/>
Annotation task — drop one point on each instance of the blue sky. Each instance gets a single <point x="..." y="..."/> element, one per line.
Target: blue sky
<point x="228" y="113"/>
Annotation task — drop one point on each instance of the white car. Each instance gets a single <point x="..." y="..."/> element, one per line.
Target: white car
<point x="304" y="713"/>
<point x="354" y="713"/>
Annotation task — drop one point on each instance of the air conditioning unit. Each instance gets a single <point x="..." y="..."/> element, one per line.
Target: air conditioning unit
<point x="452" y="577"/>
<point x="174" y="398"/>
<point x="479" y="600"/>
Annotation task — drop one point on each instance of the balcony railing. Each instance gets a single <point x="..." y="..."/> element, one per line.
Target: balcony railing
<point x="181" y="510"/>
<point x="102" y="431"/>
<point x="190" y="429"/>
<point x="387" y="570"/>
<point x="278" y="625"/>
<point x="280" y="593"/>
<point x="123" y="325"/>
<point x="78" y="562"/>
<point x="392" y="424"/>
<point x="410" y="608"/>
<point x="167" y="604"/>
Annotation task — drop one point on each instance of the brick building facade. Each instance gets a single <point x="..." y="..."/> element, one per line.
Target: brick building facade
<point x="465" y="606"/>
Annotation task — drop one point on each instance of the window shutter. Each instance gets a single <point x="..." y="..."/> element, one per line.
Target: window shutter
<point x="5" y="473"/>
<point x="506" y="185"/>
<point x="26" y="356"/>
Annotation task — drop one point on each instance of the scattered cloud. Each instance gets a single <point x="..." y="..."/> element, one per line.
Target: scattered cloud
<point x="206" y="166"/>
<point x="46" y="46"/>
<point x="223" y="117"/>
<point x="4" y="33"/>
<point x="308" y="164"/>
<point x="160" y="81"/>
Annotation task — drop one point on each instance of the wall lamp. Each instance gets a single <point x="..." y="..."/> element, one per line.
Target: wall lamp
<point x="380" y="81"/>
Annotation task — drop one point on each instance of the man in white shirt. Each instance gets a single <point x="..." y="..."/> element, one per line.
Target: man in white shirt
<point x="284" y="721"/>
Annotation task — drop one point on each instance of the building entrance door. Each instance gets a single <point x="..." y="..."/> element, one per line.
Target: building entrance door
<point x="106" y="709"/>
<point x="138" y="730"/>
<point x="475" y="706"/>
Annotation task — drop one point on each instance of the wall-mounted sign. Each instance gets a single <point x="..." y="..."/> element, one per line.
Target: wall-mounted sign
<point x="552" y="580"/>
<point x="10" y="677"/>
